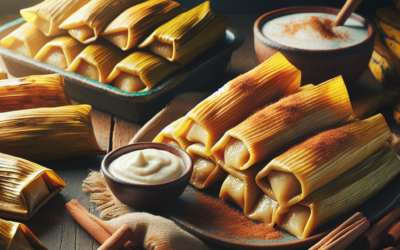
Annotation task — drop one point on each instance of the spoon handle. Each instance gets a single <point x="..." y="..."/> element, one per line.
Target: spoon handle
<point x="345" y="12"/>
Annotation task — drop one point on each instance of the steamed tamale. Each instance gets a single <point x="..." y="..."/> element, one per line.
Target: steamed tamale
<point x="264" y="210"/>
<point x="339" y="196"/>
<point x="131" y="27"/>
<point x="236" y="100"/>
<point x="17" y="236"/>
<point x="88" y="22"/>
<point x="166" y="135"/>
<point x="48" y="15"/>
<point x="3" y="74"/>
<point x="187" y="35"/>
<point x="48" y="133"/>
<point x="25" y="187"/>
<point x="96" y="61"/>
<point x="292" y="176"/>
<point x="33" y="92"/>
<point x="26" y="40"/>
<point x="60" y="52"/>
<point x="271" y="130"/>
<point x="141" y="71"/>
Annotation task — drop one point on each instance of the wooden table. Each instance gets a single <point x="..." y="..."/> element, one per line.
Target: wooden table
<point x="55" y="227"/>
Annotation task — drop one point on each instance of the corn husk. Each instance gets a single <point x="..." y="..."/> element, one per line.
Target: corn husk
<point x="320" y="159"/>
<point x="273" y="129"/>
<point x="96" y="15"/>
<point x="48" y="15"/>
<point x="139" y="21"/>
<point x="166" y="135"/>
<point x="190" y="33"/>
<point x="237" y="99"/>
<point x="3" y="74"/>
<point x="33" y="92"/>
<point x="48" y="133"/>
<point x="26" y="40"/>
<point x="68" y="46"/>
<point x="15" y="175"/>
<point x="102" y="57"/>
<point x="349" y="190"/>
<point x="150" y="68"/>
<point x="17" y="236"/>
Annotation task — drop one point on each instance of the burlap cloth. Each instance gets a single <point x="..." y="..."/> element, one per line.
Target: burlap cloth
<point x="150" y="231"/>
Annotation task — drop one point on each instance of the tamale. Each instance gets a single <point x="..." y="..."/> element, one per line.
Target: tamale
<point x="33" y="92"/>
<point x="137" y="22"/>
<point x="25" y="187"/>
<point x="235" y="101"/>
<point x="26" y="40"/>
<point x="17" y="236"/>
<point x="264" y="210"/>
<point x="96" y="61"/>
<point x="205" y="169"/>
<point x="273" y="129"/>
<point x="141" y="71"/>
<point x="3" y="74"/>
<point x="341" y="195"/>
<point x="187" y="35"/>
<point x="89" y="21"/>
<point x="60" y="52"/>
<point x="166" y="135"/>
<point x="43" y="134"/>
<point x="48" y="15"/>
<point x="292" y="176"/>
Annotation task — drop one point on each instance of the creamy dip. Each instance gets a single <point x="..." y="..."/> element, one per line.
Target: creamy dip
<point x="147" y="166"/>
<point x="313" y="31"/>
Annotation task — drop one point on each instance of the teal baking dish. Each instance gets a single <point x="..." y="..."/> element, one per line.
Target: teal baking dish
<point x="134" y="107"/>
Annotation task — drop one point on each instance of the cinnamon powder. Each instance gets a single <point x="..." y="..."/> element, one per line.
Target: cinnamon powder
<point x="243" y="83"/>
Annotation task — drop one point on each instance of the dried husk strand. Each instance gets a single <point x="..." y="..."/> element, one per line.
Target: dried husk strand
<point x="33" y="92"/>
<point x="320" y="159"/>
<point x="166" y="135"/>
<point x="48" y="133"/>
<point x="48" y="15"/>
<point x="131" y="27"/>
<point x="3" y="74"/>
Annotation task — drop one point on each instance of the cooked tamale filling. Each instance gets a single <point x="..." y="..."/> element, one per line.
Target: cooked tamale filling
<point x="263" y="210"/>
<point x="162" y="49"/>
<point x="280" y="179"/>
<point x="295" y="220"/>
<point x="128" y="82"/>
<point x="87" y="70"/>
<point x="55" y="56"/>
<point x="42" y="25"/>
<point x="20" y="48"/>
<point x="202" y="168"/>
<point x="233" y="190"/>
<point x="197" y="133"/>
<point x="82" y="33"/>
<point x="35" y="192"/>
<point x="236" y="153"/>
<point x="119" y="39"/>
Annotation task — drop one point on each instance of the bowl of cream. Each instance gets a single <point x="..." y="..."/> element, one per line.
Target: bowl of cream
<point x="306" y="37"/>
<point x="147" y="175"/>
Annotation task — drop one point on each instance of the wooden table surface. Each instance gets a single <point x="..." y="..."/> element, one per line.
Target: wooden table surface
<point x="55" y="227"/>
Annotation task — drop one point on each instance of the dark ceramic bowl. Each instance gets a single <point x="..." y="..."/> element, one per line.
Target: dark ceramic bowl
<point x="147" y="196"/>
<point x="318" y="66"/>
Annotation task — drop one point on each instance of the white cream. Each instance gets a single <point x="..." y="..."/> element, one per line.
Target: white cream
<point x="308" y="38"/>
<point x="147" y="166"/>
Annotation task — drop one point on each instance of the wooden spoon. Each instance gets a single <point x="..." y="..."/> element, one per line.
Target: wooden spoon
<point x="345" y="12"/>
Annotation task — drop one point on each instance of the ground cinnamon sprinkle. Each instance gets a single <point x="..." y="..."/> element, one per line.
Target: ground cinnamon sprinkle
<point x="243" y="83"/>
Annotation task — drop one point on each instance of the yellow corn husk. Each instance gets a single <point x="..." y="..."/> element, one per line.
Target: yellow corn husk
<point x="101" y="58"/>
<point x="388" y="22"/>
<point x="151" y="69"/>
<point x="237" y="99"/>
<point x="88" y="22"/>
<point x="17" y="236"/>
<point x="48" y="15"/>
<point x="206" y="171"/>
<point x="273" y="129"/>
<point x="33" y="92"/>
<point x="306" y="87"/>
<point x="60" y="52"/>
<point x="320" y="159"/>
<point x="166" y="135"/>
<point x="16" y="176"/>
<point x="3" y="74"/>
<point x="190" y="33"/>
<point x="48" y="133"/>
<point x="26" y="40"/>
<point x="346" y="192"/>
<point x="131" y="27"/>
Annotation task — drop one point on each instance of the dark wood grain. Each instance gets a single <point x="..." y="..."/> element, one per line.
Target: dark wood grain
<point x="123" y="132"/>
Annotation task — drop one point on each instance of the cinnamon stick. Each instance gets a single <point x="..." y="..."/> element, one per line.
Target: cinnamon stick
<point x="389" y="248"/>
<point x="118" y="239"/>
<point x="393" y="236"/>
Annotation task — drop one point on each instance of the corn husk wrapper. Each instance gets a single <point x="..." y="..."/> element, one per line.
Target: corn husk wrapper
<point x="96" y="15"/>
<point x="48" y="133"/>
<point x="69" y="47"/>
<point x="26" y="40"/>
<point x="203" y="175"/>
<point x="273" y="129"/>
<point x="33" y="92"/>
<point x="150" y="68"/>
<point x="102" y="57"/>
<point x="350" y="189"/>
<point x="320" y="159"/>
<point x="237" y="99"/>
<point x="48" y="15"/>
<point x="190" y="33"/>
<point x="139" y="21"/>
<point x="17" y="236"/>
<point x="15" y="175"/>
<point x="3" y="74"/>
<point x="166" y="135"/>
